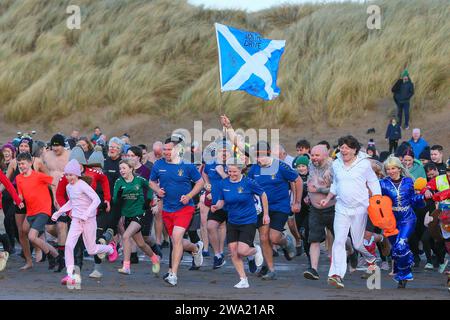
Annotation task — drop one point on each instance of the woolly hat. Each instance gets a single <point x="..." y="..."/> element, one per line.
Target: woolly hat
<point x="405" y="73"/>
<point x="420" y="183"/>
<point x="27" y="140"/>
<point x="425" y="155"/>
<point x="9" y="146"/>
<point x="96" y="158"/>
<point x="73" y="167"/>
<point x="304" y="160"/>
<point x="58" y="140"/>
<point x="78" y="154"/>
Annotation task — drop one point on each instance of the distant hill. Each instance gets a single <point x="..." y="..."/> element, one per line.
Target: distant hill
<point x="160" y="57"/>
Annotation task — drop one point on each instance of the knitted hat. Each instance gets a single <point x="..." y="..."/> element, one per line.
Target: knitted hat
<point x="405" y="73"/>
<point x="78" y="154"/>
<point x="420" y="183"/>
<point x="9" y="146"/>
<point x="96" y="158"/>
<point x="304" y="160"/>
<point x="29" y="141"/>
<point x="58" y="140"/>
<point x="73" y="167"/>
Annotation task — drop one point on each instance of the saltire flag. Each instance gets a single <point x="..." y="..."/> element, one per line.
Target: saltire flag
<point x="248" y="62"/>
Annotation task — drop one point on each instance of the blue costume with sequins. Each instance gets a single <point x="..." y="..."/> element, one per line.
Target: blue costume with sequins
<point x="404" y="200"/>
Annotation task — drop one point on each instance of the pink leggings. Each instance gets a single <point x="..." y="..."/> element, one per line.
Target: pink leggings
<point x="89" y="229"/>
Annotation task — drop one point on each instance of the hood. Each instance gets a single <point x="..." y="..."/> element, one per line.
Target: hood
<point x="360" y="157"/>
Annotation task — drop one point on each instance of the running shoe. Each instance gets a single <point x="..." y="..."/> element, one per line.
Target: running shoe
<point x="156" y="265"/>
<point x="299" y="250"/>
<point x="270" y="275"/>
<point x="171" y="279"/>
<point x="198" y="257"/>
<point x="311" y="274"/>
<point x="443" y="266"/>
<point x="218" y="262"/>
<point x="243" y="284"/>
<point x="205" y="253"/>
<point x="370" y="271"/>
<point x="4" y="260"/>
<point x="113" y="256"/>
<point x="289" y="251"/>
<point x="165" y="275"/>
<point x="124" y="271"/>
<point x="263" y="271"/>
<point x="252" y="265"/>
<point x="108" y="235"/>
<point x="336" y="281"/>
<point x="259" y="259"/>
<point x="96" y="274"/>
<point x="193" y="267"/>
<point x="101" y="256"/>
<point x="68" y="280"/>
<point x="157" y="249"/>
<point x="429" y="266"/>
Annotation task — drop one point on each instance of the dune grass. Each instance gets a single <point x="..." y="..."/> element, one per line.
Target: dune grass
<point x="160" y="57"/>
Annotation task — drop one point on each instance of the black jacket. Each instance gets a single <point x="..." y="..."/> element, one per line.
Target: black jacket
<point x="393" y="132"/>
<point x="403" y="91"/>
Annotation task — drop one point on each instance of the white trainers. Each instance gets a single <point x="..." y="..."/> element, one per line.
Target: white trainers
<point x="243" y="284"/>
<point x="101" y="256"/>
<point x="124" y="271"/>
<point x="96" y="274"/>
<point x="443" y="266"/>
<point x="429" y="266"/>
<point x="198" y="256"/>
<point x="259" y="259"/>
<point x="172" y="279"/>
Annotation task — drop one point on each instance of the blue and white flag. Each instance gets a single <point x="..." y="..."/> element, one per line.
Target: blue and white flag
<point x="248" y="62"/>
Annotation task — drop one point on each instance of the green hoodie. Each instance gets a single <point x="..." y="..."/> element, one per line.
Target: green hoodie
<point x="417" y="170"/>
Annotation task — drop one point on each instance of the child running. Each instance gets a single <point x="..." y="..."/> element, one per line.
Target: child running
<point x="129" y="193"/>
<point x="83" y="202"/>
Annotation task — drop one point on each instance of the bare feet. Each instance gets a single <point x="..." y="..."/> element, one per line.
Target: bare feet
<point x="26" y="267"/>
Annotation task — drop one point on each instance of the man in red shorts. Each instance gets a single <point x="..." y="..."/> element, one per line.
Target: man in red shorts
<point x="175" y="179"/>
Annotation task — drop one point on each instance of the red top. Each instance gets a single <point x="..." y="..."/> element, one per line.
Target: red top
<point x="35" y="191"/>
<point x="10" y="188"/>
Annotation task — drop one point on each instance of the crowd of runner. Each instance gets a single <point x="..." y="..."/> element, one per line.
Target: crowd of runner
<point x="76" y="196"/>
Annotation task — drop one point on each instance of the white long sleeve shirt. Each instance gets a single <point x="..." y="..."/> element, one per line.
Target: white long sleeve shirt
<point x="350" y="184"/>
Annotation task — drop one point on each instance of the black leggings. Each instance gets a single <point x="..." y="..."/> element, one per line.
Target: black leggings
<point x="9" y="222"/>
<point x="302" y="222"/>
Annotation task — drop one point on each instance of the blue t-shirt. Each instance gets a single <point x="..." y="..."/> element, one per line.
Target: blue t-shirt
<point x="275" y="182"/>
<point x="176" y="181"/>
<point x="214" y="179"/>
<point x="239" y="199"/>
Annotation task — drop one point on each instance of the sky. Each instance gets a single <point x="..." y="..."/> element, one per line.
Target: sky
<point x="252" y="5"/>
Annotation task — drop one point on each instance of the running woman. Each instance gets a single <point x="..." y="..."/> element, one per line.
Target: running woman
<point x="238" y="194"/>
<point x="83" y="203"/>
<point x="399" y="186"/>
<point x="129" y="197"/>
<point x="33" y="188"/>
<point x="175" y="178"/>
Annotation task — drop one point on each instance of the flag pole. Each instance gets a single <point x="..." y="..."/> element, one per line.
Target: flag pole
<point x="220" y="101"/>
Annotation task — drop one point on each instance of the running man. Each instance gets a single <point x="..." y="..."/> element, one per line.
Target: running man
<point x="175" y="177"/>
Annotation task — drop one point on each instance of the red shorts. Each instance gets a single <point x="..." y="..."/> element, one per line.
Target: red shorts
<point x="181" y="218"/>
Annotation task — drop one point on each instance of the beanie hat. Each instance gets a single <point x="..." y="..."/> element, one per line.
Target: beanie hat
<point x="29" y="141"/>
<point x="78" y="154"/>
<point x="58" y="140"/>
<point x="405" y="73"/>
<point x="73" y="167"/>
<point x="9" y="146"/>
<point x="420" y="183"/>
<point x="304" y="160"/>
<point x="96" y="158"/>
<point x="425" y="155"/>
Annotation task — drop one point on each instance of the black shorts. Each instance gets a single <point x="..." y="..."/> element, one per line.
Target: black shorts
<point x="319" y="219"/>
<point x="139" y="219"/>
<point x="219" y="216"/>
<point x="64" y="219"/>
<point x="148" y="223"/>
<point x="21" y="211"/>
<point x="38" y="222"/>
<point x="277" y="220"/>
<point x="241" y="233"/>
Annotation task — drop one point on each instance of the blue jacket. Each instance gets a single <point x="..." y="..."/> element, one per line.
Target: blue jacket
<point x="418" y="146"/>
<point x="393" y="132"/>
<point x="408" y="199"/>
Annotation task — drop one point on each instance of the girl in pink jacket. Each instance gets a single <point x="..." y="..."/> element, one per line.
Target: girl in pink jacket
<point x="83" y="202"/>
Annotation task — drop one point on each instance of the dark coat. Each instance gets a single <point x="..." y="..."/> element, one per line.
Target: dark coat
<point x="403" y="91"/>
<point x="393" y="132"/>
